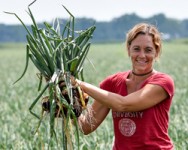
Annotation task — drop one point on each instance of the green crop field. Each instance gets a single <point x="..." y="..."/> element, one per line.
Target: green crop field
<point x="17" y="124"/>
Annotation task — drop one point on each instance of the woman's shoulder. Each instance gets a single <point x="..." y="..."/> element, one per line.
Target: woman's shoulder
<point x="164" y="80"/>
<point x="115" y="79"/>
<point x="161" y="75"/>
<point x="119" y="75"/>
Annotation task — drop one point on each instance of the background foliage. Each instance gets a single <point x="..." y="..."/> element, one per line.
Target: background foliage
<point x="112" y="31"/>
<point x="17" y="124"/>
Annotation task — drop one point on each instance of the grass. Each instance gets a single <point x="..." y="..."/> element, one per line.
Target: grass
<point x="17" y="123"/>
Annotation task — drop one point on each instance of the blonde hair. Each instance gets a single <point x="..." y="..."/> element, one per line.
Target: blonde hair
<point x="144" y="28"/>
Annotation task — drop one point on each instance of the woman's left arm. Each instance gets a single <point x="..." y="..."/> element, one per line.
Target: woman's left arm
<point x="148" y="96"/>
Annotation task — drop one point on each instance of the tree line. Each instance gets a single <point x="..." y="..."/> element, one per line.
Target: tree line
<point x="111" y="31"/>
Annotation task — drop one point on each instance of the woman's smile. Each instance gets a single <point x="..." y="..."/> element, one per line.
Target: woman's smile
<point x="142" y="62"/>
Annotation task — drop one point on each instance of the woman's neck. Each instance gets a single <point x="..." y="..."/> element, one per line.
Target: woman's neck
<point x="138" y="78"/>
<point x="142" y="74"/>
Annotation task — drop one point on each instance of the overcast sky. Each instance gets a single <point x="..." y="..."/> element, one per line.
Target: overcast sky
<point x="100" y="10"/>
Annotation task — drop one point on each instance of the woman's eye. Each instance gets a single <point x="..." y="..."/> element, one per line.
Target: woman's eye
<point x="148" y="50"/>
<point x="136" y="49"/>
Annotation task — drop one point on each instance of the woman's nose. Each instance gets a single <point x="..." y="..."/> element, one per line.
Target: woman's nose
<point x="142" y="54"/>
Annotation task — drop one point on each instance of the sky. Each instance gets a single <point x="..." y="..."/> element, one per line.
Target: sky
<point x="100" y="10"/>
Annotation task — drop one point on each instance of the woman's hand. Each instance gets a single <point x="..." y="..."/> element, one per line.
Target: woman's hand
<point x="75" y="82"/>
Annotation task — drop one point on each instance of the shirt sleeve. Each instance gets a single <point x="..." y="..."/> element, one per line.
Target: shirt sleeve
<point x="165" y="81"/>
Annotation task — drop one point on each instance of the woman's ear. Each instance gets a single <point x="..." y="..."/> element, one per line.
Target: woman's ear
<point x="128" y="50"/>
<point x="157" y="54"/>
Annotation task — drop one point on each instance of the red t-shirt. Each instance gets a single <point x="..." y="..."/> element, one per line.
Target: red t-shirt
<point x="143" y="130"/>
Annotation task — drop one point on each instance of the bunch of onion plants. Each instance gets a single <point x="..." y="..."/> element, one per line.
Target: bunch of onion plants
<point x="58" y="54"/>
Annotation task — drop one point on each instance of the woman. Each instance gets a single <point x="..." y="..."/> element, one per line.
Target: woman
<point x="139" y="98"/>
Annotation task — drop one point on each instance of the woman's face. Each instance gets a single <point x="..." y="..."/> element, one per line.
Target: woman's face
<point x="142" y="53"/>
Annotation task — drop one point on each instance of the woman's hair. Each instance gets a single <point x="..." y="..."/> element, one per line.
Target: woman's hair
<point x="144" y="28"/>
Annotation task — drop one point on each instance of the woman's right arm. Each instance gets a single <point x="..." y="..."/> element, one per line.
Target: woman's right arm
<point x="93" y="117"/>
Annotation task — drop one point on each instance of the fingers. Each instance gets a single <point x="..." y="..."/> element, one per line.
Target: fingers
<point x="73" y="80"/>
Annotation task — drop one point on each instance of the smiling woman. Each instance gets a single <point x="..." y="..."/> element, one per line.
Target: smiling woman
<point x="139" y="98"/>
